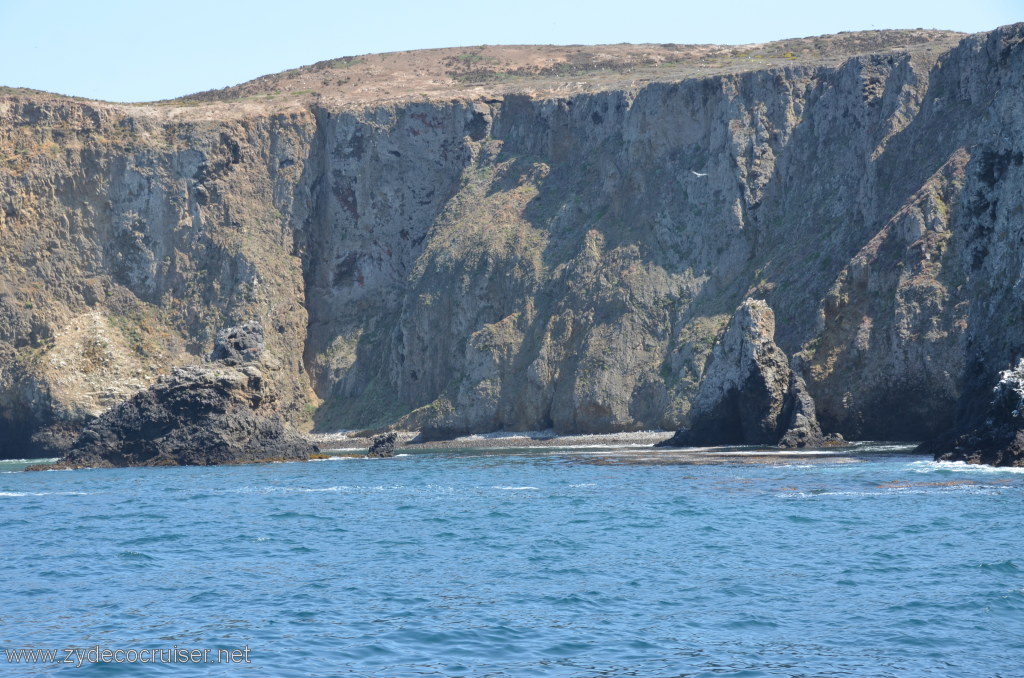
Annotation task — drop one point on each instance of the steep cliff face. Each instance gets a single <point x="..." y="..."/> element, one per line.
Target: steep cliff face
<point x="128" y="240"/>
<point x="506" y="256"/>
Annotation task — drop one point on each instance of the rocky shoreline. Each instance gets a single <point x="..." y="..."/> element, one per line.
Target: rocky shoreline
<point x="219" y="412"/>
<point x="357" y="442"/>
<point x="629" y="448"/>
<point x="222" y="412"/>
<point x="996" y="438"/>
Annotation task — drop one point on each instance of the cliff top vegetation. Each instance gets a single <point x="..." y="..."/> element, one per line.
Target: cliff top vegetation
<point x="537" y="70"/>
<point x="555" y="70"/>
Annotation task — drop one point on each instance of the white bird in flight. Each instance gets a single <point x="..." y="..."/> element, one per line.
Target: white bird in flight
<point x="698" y="174"/>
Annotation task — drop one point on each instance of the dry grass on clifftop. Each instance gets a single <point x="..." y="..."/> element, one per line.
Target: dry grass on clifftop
<point x="547" y="70"/>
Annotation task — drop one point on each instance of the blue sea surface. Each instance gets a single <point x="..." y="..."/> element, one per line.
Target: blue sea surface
<point x="518" y="562"/>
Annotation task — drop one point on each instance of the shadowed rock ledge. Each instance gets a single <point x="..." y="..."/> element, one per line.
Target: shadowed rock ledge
<point x="749" y="395"/>
<point x="998" y="439"/>
<point x="216" y="413"/>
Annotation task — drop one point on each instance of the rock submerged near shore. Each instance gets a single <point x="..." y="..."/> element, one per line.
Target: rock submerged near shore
<point x="219" y="412"/>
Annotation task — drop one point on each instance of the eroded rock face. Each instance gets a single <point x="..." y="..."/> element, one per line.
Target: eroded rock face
<point x="215" y="413"/>
<point x="999" y="438"/>
<point x="383" y="445"/>
<point x="237" y="345"/>
<point x="748" y="394"/>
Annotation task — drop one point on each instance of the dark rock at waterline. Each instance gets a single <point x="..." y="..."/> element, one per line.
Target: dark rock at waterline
<point x="749" y="395"/>
<point x="383" y="445"/>
<point x="802" y="428"/>
<point x="998" y="438"/>
<point x="54" y="441"/>
<point x="216" y="413"/>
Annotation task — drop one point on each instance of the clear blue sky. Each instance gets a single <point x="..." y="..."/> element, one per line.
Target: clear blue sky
<point x="140" y="51"/>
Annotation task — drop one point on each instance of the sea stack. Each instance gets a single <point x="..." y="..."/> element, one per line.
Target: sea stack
<point x="749" y="395"/>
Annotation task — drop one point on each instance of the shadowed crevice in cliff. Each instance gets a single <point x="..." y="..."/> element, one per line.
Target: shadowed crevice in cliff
<point x="16" y="431"/>
<point x="374" y="187"/>
<point x="997" y="436"/>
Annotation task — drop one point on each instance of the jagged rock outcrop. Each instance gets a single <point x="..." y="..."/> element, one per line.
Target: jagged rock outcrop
<point x="383" y="445"/>
<point x="215" y="413"/>
<point x="801" y="421"/>
<point x="748" y="394"/>
<point x="238" y="345"/>
<point x="509" y="246"/>
<point x="998" y="437"/>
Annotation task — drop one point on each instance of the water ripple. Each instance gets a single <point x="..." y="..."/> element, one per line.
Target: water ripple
<point x="526" y="563"/>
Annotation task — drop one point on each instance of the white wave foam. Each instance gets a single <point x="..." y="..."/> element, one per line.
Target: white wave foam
<point x="549" y="434"/>
<point x="358" y="488"/>
<point x="881" y="446"/>
<point x="592" y="448"/>
<point x="341" y="488"/>
<point x="880" y="492"/>
<point x="889" y="491"/>
<point x="604" y="446"/>
<point x="42" y="494"/>
<point x="961" y="467"/>
<point x="500" y="435"/>
<point x="29" y="461"/>
<point x="524" y="487"/>
<point x="783" y="454"/>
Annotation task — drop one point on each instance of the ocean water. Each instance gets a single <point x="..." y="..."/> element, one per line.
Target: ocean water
<point x="516" y="562"/>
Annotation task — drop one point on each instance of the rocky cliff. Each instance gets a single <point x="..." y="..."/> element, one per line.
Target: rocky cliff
<point x="995" y="438"/>
<point x="525" y="238"/>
